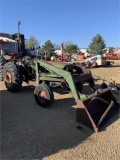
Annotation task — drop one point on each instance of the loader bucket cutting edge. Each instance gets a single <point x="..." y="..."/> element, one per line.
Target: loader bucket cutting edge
<point x="98" y="109"/>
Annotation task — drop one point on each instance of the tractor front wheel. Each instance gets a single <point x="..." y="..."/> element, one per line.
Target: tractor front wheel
<point x="44" y="95"/>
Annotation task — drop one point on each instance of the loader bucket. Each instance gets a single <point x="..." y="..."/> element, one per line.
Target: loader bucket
<point x="97" y="109"/>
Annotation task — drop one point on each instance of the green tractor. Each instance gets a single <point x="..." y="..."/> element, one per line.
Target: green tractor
<point x="92" y="110"/>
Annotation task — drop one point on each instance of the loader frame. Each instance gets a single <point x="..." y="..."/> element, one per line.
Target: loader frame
<point x="57" y="74"/>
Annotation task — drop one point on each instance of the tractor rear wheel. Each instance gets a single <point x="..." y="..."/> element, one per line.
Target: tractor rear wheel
<point x="13" y="77"/>
<point x="2" y="62"/>
<point x="44" y="95"/>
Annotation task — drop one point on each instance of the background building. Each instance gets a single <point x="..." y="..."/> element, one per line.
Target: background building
<point x="12" y="42"/>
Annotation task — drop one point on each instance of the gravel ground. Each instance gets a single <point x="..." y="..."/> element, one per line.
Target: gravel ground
<point x="31" y="132"/>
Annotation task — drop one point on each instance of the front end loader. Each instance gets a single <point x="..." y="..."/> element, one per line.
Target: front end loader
<point x="91" y="110"/>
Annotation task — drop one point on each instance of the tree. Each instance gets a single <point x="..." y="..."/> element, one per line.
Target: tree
<point x="32" y="42"/>
<point x="71" y="48"/>
<point x="67" y="43"/>
<point x="97" y="45"/>
<point x="48" y="47"/>
<point x="56" y="46"/>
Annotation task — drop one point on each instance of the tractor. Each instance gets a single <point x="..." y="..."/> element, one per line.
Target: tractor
<point x="92" y="110"/>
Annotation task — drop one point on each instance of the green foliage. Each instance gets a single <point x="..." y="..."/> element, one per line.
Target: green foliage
<point x="32" y="42"/>
<point x="71" y="48"/>
<point x="67" y="43"/>
<point x="56" y="46"/>
<point x="97" y="45"/>
<point x="48" y="47"/>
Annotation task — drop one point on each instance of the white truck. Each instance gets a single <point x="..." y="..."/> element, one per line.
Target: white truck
<point x="35" y="51"/>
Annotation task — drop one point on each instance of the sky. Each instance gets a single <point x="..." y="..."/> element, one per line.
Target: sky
<point x="76" y="21"/>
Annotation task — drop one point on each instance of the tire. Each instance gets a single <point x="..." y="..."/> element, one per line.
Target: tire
<point x="51" y="92"/>
<point x="104" y="85"/>
<point x="13" y="77"/>
<point x="107" y="63"/>
<point x="79" y="86"/>
<point x="88" y="64"/>
<point x="43" y="95"/>
<point x="94" y="64"/>
<point x="2" y="63"/>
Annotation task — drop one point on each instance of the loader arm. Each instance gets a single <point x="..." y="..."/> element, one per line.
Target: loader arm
<point x="57" y="72"/>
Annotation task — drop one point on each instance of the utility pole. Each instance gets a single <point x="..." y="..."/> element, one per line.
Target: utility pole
<point x="62" y="51"/>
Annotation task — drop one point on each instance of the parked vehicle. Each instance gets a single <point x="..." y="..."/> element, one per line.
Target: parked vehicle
<point x="98" y="60"/>
<point x="74" y="56"/>
<point x="66" y="58"/>
<point x="112" y="56"/>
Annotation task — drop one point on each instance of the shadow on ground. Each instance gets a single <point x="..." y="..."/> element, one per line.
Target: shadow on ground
<point x="31" y="132"/>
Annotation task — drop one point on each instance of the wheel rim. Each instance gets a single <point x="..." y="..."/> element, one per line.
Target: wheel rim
<point x="8" y="77"/>
<point x="93" y="64"/>
<point x="41" y="96"/>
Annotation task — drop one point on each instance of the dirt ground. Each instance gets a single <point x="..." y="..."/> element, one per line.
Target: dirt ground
<point x="31" y="132"/>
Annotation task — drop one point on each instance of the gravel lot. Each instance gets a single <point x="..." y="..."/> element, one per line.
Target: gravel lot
<point x="31" y="132"/>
